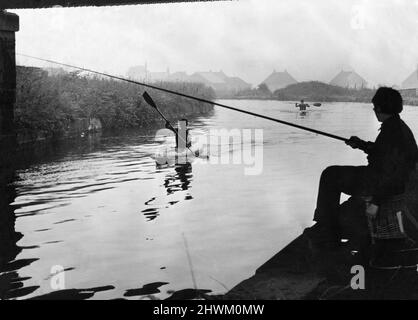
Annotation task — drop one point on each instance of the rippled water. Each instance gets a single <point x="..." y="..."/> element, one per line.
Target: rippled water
<point x="123" y="228"/>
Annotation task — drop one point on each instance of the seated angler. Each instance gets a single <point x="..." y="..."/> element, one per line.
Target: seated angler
<point x="391" y="159"/>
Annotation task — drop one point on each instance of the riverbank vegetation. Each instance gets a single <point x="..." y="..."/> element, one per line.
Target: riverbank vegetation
<point x="50" y="104"/>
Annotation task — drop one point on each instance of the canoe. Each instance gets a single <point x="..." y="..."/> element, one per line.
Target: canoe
<point x="171" y="157"/>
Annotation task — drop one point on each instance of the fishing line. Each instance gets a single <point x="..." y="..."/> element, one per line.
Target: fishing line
<point x="189" y="259"/>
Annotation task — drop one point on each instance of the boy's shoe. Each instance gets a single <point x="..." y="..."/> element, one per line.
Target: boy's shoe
<point x="320" y="239"/>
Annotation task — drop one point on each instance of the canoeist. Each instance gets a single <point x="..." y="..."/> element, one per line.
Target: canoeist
<point x="391" y="159"/>
<point x="182" y="134"/>
<point x="302" y="105"/>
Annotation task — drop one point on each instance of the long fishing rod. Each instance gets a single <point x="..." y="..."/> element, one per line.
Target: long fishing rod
<point x="189" y="97"/>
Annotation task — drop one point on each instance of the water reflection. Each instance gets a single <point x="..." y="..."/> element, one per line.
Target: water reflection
<point x="46" y="201"/>
<point x="72" y="294"/>
<point x="178" y="178"/>
<point x="189" y="294"/>
<point x="312" y="115"/>
<point x="302" y="114"/>
<point x="11" y="284"/>
<point x="146" y="290"/>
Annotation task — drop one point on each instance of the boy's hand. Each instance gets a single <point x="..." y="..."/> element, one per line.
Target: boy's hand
<point x="355" y="142"/>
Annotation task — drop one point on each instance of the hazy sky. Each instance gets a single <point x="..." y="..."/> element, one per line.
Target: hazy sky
<point x="313" y="40"/>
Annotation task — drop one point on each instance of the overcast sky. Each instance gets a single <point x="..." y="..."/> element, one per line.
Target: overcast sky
<point x="313" y="40"/>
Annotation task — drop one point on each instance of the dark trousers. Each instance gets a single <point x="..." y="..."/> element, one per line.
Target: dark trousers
<point x="334" y="181"/>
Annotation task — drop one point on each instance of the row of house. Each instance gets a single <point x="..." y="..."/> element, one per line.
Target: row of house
<point x="219" y="81"/>
<point x="225" y="85"/>
<point x="345" y="79"/>
<point x="410" y="85"/>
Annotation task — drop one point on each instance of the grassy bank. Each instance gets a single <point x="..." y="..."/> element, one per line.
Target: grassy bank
<point x="51" y="104"/>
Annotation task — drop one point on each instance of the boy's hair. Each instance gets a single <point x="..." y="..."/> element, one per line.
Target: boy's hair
<point x="388" y="100"/>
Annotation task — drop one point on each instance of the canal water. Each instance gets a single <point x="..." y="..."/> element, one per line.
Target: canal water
<point x="100" y="217"/>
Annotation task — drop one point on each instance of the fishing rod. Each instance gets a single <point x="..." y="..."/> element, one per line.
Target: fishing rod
<point x="190" y="97"/>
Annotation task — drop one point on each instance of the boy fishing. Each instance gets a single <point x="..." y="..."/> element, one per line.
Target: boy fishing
<point x="391" y="159"/>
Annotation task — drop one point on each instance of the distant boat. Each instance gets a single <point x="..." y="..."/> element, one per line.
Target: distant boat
<point x="317" y="104"/>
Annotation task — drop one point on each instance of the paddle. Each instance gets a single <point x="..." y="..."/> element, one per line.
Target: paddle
<point x="151" y="102"/>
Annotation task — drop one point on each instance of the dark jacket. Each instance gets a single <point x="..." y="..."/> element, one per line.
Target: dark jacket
<point x="392" y="158"/>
